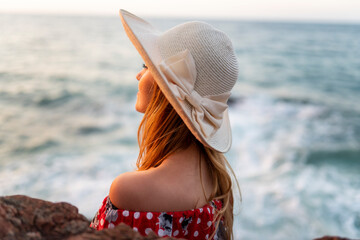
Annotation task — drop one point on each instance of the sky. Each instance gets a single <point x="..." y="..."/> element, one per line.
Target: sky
<point x="298" y="10"/>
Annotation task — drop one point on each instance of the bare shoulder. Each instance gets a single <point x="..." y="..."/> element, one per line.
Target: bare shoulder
<point x="158" y="189"/>
<point x="130" y="190"/>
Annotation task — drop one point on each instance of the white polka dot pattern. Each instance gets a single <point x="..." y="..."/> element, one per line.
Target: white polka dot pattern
<point x="190" y="224"/>
<point x="125" y="213"/>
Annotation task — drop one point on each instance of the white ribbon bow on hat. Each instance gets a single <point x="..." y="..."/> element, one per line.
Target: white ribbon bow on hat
<point x="207" y="111"/>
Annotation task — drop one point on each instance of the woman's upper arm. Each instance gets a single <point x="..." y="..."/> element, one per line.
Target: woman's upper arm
<point x="124" y="193"/>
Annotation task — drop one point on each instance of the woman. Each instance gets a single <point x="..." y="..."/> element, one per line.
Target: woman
<point x="182" y="187"/>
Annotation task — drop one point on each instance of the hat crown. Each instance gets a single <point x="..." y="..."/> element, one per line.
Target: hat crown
<point x="213" y="53"/>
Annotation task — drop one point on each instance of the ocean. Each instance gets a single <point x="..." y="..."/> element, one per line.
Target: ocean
<point x="68" y="124"/>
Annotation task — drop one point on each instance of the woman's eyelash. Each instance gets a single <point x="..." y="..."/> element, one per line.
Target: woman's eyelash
<point x="144" y="66"/>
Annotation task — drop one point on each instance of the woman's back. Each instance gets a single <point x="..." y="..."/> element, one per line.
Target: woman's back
<point x="175" y="185"/>
<point x="155" y="200"/>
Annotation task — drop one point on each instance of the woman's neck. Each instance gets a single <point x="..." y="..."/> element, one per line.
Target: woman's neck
<point x="182" y="159"/>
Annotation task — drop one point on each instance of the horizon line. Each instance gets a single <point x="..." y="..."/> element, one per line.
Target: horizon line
<point x="221" y="18"/>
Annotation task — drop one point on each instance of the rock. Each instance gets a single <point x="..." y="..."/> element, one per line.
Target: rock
<point x="22" y="217"/>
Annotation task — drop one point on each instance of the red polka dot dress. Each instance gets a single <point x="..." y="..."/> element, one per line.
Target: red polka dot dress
<point x="190" y="224"/>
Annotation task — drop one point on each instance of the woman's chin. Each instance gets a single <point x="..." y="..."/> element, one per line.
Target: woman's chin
<point x="139" y="108"/>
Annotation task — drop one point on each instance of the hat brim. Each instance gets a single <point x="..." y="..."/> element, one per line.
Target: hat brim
<point x="144" y="37"/>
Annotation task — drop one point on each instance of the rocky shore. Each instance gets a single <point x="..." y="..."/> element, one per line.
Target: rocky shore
<point x="26" y="218"/>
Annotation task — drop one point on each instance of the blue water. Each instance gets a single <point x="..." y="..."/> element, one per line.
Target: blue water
<point x="68" y="124"/>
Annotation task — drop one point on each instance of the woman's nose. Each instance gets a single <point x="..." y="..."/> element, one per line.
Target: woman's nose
<point x="140" y="74"/>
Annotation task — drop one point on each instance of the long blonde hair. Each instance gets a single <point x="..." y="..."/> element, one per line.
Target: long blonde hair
<point x="162" y="132"/>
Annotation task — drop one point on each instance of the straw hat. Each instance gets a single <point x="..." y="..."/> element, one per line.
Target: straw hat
<point x="195" y="66"/>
